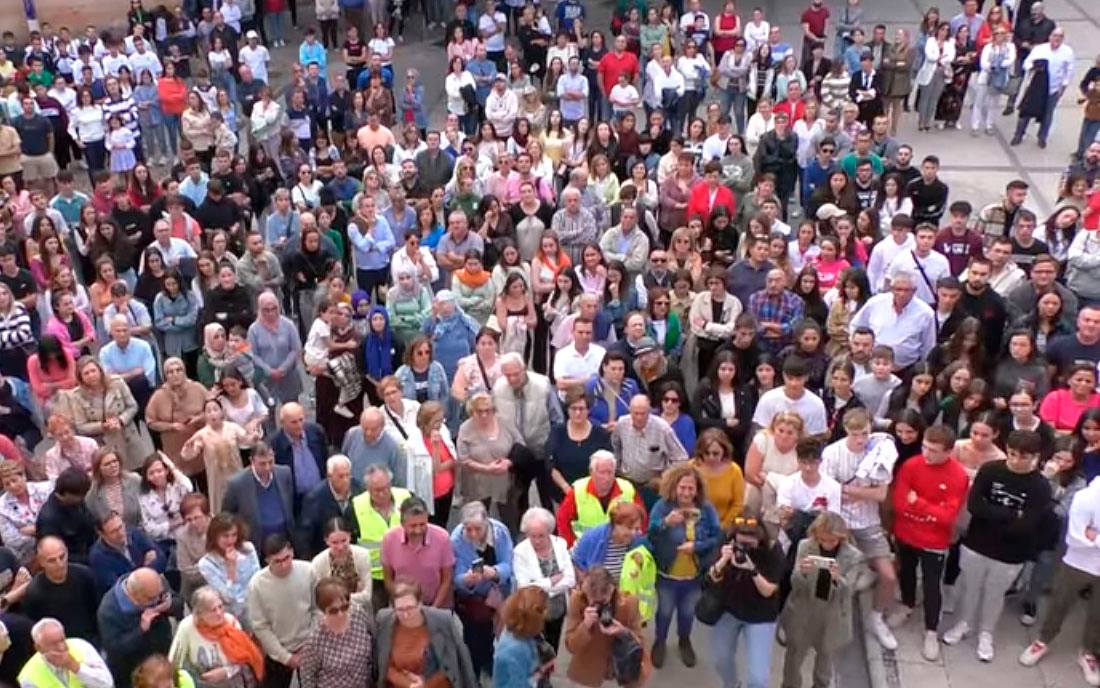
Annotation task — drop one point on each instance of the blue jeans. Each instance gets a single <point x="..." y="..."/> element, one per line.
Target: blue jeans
<point x="677" y="596"/>
<point x="274" y="22"/>
<point x="172" y="128"/>
<point x="1090" y="130"/>
<point x="735" y="101"/>
<point x="759" y="638"/>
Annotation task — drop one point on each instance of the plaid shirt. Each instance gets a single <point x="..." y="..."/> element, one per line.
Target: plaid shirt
<point x="786" y="309"/>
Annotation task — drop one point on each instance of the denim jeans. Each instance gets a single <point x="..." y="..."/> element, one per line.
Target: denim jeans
<point x="275" y="22"/>
<point x="734" y="101"/>
<point x="172" y="130"/>
<point x="155" y="140"/>
<point x="677" y="596"/>
<point x="759" y="639"/>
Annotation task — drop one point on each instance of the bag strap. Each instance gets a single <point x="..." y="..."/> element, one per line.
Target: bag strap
<point x="924" y="276"/>
<point x="484" y="375"/>
<point x="396" y="422"/>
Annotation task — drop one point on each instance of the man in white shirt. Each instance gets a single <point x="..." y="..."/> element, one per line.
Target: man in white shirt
<point x="114" y="60"/>
<point x="143" y="58"/>
<point x="501" y="107"/>
<point x="921" y="260"/>
<point x="807" y="489"/>
<point x="491" y="27"/>
<point x="580" y="361"/>
<point x="884" y="252"/>
<point x="255" y="56"/>
<point x="793" y="396"/>
<point x="63" y="661"/>
<point x="1006" y="275"/>
<point x="756" y="30"/>
<point x="687" y="21"/>
<point x="231" y="12"/>
<point x="905" y="324"/>
<point x="661" y="77"/>
<point x="172" y="249"/>
<point x="714" y="147"/>
<point x="1059" y="58"/>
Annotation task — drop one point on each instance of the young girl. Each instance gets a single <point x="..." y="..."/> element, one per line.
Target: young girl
<point x="120" y="141"/>
<point x="980" y="446"/>
<point x="839" y="397"/>
<point x="808" y="346"/>
<point x="829" y="264"/>
<point x="918" y="394"/>
<point x="958" y="413"/>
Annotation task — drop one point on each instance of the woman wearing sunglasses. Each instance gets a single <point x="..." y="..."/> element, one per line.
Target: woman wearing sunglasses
<point x="339" y="650"/>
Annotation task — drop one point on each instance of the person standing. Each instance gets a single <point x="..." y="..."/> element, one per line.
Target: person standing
<point x="281" y="610"/>
<point x="1050" y="65"/>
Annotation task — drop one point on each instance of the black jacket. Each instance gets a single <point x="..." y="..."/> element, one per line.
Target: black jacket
<point x="73" y="524"/>
<point x="229" y="308"/>
<point x="318" y="508"/>
<point x="707" y="410"/>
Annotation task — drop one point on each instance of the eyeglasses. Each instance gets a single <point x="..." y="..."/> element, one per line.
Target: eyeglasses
<point x="671" y="400"/>
<point x="658" y="260"/>
<point x="739" y="521"/>
<point x="338" y="609"/>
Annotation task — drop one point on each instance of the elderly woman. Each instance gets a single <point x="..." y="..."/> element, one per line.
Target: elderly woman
<point x="452" y="332"/>
<point x="19" y="507"/>
<point x="589" y="639"/>
<point x="409" y="304"/>
<point x="422" y="377"/>
<point x="431" y="461"/>
<point x="398" y="412"/>
<point x="219" y="444"/>
<point x="483" y="579"/>
<point x="479" y="371"/>
<point x="517" y="659"/>
<point x="339" y="652"/>
<point x="828" y="571"/>
<point x="163" y="487"/>
<point x="341" y="560"/>
<point x="685" y="534"/>
<point x="191" y="541"/>
<point x="420" y="645"/>
<point x="103" y="408"/>
<point x="69" y="449"/>
<point x="230" y="562"/>
<point x="542" y="560"/>
<point x="276" y="349"/>
<point x="175" y="411"/>
<point x="572" y="443"/>
<point x="211" y="645"/>
<point x="114" y="489"/>
<point x="485" y="443"/>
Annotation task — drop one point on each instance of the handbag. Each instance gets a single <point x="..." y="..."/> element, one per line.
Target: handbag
<point x="710" y="607"/>
<point x="469" y="95"/>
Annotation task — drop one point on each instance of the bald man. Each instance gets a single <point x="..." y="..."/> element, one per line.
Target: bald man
<point x="368" y="444"/>
<point x="134" y="621"/>
<point x="63" y="590"/>
<point x="302" y="447"/>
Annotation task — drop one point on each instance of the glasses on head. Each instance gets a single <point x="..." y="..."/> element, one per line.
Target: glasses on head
<point x="338" y="609"/>
<point x="739" y="521"/>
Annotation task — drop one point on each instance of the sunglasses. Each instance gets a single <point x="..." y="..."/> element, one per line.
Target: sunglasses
<point x="671" y="400"/>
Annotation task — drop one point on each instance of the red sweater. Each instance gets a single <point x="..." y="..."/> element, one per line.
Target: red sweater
<point x="929" y="522"/>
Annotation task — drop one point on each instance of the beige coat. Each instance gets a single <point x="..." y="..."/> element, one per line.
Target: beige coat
<point x="823" y="624"/>
<point x="89" y="409"/>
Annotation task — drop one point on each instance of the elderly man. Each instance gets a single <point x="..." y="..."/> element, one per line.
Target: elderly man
<point x="645" y="447"/>
<point x="627" y="243"/>
<point x="301" y="446"/>
<point x="422" y="551"/>
<point x="376" y="513"/>
<point x="588" y="502"/>
<point x="259" y="268"/>
<point x="330" y="499"/>
<point x="131" y="358"/>
<point x="369" y="444"/>
<point x="63" y="590"/>
<point x="119" y="550"/>
<point x="62" y="661"/>
<point x="574" y="225"/>
<point x="263" y="495"/>
<point x="776" y="310"/>
<point x="528" y="399"/>
<point x="450" y="252"/>
<point x="905" y="324"/>
<point x="135" y="621"/>
<point x="173" y="250"/>
<point x="282" y="610"/>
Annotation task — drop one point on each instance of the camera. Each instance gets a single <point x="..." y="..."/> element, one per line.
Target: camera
<point x="740" y="556"/>
<point x="607" y="615"/>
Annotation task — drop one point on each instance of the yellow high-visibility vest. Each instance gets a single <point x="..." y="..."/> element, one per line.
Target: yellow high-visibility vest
<point x="372" y="526"/>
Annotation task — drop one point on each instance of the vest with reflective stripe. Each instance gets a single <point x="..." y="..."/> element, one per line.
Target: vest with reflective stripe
<point x="639" y="578"/>
<point x="372" y="526"/>
<point x="590" y="513"/>
<point x="36" y="672"/>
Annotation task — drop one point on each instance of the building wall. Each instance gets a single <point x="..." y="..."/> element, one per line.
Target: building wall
<point x="76" y="14"/>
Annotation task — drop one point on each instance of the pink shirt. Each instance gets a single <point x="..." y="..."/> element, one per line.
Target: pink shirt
<point x="828" y="272"/>
<point x="1061" y="411"/>
<point x="423" y="563"/>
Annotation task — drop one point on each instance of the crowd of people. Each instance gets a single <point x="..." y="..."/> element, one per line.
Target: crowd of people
<point x="299" y="384"/>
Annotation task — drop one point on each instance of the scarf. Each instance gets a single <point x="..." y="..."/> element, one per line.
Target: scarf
<point x="358" y="297"/>
<point x="556" y="266"/>
<point x="379" y="357"/>
<point x="237" y="646"/>
<point x="217" y="359"/>
<point x="472" y="281"/>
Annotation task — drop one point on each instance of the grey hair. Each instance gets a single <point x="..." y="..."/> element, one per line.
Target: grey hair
<point x="282" y="193"/>
<point x="375" y="469"/>
<point x="336" y="461"/>
<point x="599" y="456"/>
<point x="120" y="318"/>
<point x="512" y="358"/>
<point x="534" y="515"/>
<point x="203" y="597"/>
<point x="474" y="512"/>
<point x="903" y="275"/>
<point x="44" y="624"/>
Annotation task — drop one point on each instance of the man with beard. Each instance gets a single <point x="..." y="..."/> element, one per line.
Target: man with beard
<point x="981" y="302"/>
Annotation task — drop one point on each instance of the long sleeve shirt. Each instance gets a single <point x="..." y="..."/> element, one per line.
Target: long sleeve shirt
<point x="1083" y="552"/>
<point x="92" y="673"/>
<point x="372" y="246"/>
<point x="136" y="354"/>
<point x="911" y="333"/>
<point x="1059" y="65"/>
<point x="645" y="454"/>
<point x="929" y="521"/>
<point x="281" y="610"/>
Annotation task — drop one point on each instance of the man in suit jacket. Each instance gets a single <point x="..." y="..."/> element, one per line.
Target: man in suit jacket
<point x="865" y="89"/>
<point x="328" y="500"/>
<point x="300" y="446"/>
<point x="263" y="495"/>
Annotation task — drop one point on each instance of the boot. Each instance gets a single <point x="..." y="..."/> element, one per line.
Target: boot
<point x="657" y="654"/>
<point x="687" y="652"/>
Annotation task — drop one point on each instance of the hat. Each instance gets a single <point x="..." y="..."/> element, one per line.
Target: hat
<point x="500" y="77"/>
<point x="252" y="34"/>
<point x="829" y="211"/>
<point x="646" y="345"/>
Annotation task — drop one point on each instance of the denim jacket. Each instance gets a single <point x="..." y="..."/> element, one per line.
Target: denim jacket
<point x="664" y="539"/>
<point x="179" y="335"/>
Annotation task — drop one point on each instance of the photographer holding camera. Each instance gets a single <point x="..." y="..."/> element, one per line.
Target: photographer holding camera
<point x="603" y="632"/>
<point x="747" y="574"/>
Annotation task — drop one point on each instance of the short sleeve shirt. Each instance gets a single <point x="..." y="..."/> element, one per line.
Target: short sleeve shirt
<point x="34" y="132"/>
<point x="423" y="563"/>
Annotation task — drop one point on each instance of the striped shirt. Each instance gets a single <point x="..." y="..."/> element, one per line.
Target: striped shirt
<point x="840" y="463"/>
<point x="125" y="110"/>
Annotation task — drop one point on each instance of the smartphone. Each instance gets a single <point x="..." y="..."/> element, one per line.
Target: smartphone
<point x="821" y="562"/>
<point x="478" y="565"/>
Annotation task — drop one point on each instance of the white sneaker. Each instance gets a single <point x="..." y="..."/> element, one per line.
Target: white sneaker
<point x="1033" y="653"/>
<point x="957" y="632"/>
<point x="985" y="647"/>
<point x="899" y="616"/>
<point x="882" y="632"/>
<point x="1089" y="667"/>
<point x="949" y="595"/>
<point x="343" y="411"/>
<point x="931" y="649"/>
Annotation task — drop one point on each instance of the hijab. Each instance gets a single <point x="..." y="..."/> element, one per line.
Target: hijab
<point x="413" y="292"/>
<point x="271" y="322"/>
<point x="453" y="324"/>
<point x="216" y="358"/>
<point x="379" y="346"/>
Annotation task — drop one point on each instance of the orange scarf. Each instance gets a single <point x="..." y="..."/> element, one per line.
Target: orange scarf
<point x="472" y="281"/>
<point x="237" y="646"/>
<point x="558" y="265"/>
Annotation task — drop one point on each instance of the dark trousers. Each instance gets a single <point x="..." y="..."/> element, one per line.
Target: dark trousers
<point x="379" y="596"/>
<point x="1069" y="583"/>
<point x="931" y="565"/>
<point x="443" y="509"/>
<point x="478" y="636"/>
<point x="276" y="674"/>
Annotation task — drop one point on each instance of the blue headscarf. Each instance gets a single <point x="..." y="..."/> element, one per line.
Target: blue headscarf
<point x="379" y="347"/>
<point x="357" y="298"/>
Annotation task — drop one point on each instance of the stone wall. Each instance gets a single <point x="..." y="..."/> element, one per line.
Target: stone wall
<point x="76" y="14"/>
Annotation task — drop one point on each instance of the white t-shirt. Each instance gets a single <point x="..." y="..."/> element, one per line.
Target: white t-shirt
<point x="809" y="407"/>
<point x="256" y="59"/>
<point x="795" y="493"/>
<point x="620" y="93"/>
<point x="495" y="42"/>
<point x="315" y="352"/>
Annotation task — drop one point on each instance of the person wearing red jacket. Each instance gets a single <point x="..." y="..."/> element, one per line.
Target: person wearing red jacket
<point x="602" y="485"/>
<point x="929" y="492"/>
<point x="709" y="194"/>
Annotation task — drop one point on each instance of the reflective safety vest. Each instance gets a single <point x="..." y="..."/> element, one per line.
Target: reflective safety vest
<point x="639" y="578"/>
<point x="372" y="526"/>
<point x="590" y="513"/>
<point x="185" y="680"/>
<point x="36" y="672"/>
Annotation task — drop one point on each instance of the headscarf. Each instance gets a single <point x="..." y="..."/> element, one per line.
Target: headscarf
<point x="217" y="358"/>
<point x="379" y="346"/>
<point x="357" y="298"/>
<point x="447" y="326"/>
<point x="407" y="294"/>
<point x="235" y="644"/>
<point x="268" y="298"/>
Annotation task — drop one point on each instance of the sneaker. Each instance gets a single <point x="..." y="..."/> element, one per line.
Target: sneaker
<point x="931" y="649"/>
<point x="950" y="593"/>
<point x="687" y="652"/>
<point x="899" y="616"/>
<point x="989" y="131"/>
<point x="1016" y="140"/>
<point x="985" y="647"/>
<point x="1009" y="109"/>
<point x="1033" y="653"/>
<point x="1027" y="618"/>
<point x="1042" y="143"/>
<point x="343" y="411"/>
<point x="657" y="654"/>
<point x="1089" y="667"/>
<point x="781" y="636"/>
<point x="882" y="632"/>
<point x="957" y="632"/>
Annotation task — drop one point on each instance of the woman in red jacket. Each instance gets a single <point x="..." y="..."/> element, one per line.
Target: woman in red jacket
<point x="173" y="99"/>
<point x="929" y="492"/>
<point x="709" y="194"/>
